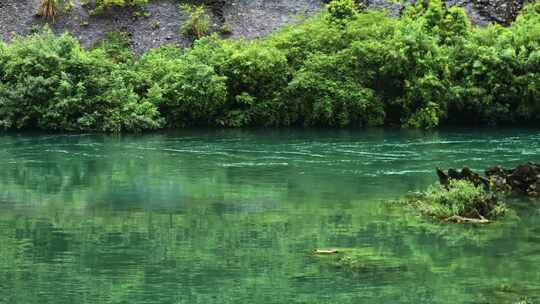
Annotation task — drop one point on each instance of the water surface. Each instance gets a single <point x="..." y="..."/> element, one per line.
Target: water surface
<point x="231" y="217"/>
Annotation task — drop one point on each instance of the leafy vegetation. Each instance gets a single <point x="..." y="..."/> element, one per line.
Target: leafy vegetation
<point x="197" y="23"/>
<point x="102" y="4"/>
<point x="340" y="11"/>
<point x="461" y="201"/>
<point x="51" y="83"/>
<point x="117" y="46"/>
<point x="341" y="68"/>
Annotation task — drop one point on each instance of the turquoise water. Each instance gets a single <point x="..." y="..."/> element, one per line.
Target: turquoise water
<point x="232" y="216"/>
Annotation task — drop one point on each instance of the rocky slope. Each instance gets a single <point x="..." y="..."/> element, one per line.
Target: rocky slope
<point x="247" y="18"/>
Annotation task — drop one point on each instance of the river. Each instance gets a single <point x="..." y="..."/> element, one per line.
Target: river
<point x="202" y="216"/>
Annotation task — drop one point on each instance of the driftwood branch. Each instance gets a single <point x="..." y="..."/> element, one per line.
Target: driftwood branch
<point x="325" y="251"/>
<point x="461" y="219"/>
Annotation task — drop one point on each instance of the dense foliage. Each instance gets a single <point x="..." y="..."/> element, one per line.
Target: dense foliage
<point x="340" y="68"/>
<point x="51" y="83"/>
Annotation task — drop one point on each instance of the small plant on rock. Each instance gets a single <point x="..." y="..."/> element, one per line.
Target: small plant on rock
<point x="48" y="9"/>
<point x="69" y="5"/>
<point x="340" y="11"/>
<point x="197" y="23"/>
<point x="101" y="5"/>
<point x="226" y="29"/>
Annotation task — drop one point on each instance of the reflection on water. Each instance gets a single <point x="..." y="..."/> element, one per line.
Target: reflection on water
<point x="231" y="217"/>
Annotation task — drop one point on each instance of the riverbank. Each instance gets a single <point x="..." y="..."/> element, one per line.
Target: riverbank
<point x="156" y="22"/>
<point x="341" y="68"/>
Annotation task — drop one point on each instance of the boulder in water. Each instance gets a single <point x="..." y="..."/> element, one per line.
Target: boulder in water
<point x="523" y="179"/>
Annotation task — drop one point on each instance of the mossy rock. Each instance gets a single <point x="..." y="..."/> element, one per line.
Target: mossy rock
<point x="519" y="292"/>
<point x="460" y="201"/>
<point x="360" y="260"/>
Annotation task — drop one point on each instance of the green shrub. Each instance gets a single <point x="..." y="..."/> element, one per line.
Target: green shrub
<point x="187" y="92"/>
<point x="255" y="77"/>
<point x="461" y="199"/>
<point x="339" y="68"/>
<point x="191" y="94"/>
<point x="455" y="26"/>
<point x="325" y="93"/>
<point x="117" y="45"/>
<point x="50" y="83"/>
<point x="341" y="11"/>
<point x="495" y="74"/>
<point x="297" y="42"/>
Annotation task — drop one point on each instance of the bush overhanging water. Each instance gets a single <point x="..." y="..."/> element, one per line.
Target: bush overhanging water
<point x="341" y="68"/>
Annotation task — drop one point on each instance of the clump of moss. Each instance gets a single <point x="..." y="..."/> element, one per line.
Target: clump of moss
<point x="102" y="5"/>
<point x="460" y="201"/>
<point x="226" y="29"/>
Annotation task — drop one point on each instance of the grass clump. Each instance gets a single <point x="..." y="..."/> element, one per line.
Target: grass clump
<point x="120" y="3"/>
<point x="102" y="5"/>
<point x="197" y="23"/>
<point x="48" y="9"/>
<point x="461" y="201"/>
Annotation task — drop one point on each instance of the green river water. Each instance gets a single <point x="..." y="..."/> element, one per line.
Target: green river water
<point x="232" y="217"/>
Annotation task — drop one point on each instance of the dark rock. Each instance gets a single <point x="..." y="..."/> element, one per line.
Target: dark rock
<point x="499" y="11"/>
<point x="524" y="179"/>
<point x="444" y="179"/>
<point x="464" y="174"/>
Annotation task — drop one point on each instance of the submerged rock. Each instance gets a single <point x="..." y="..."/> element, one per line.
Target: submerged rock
<point x="465" y="174"/>
<point x="361" y="260"/>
